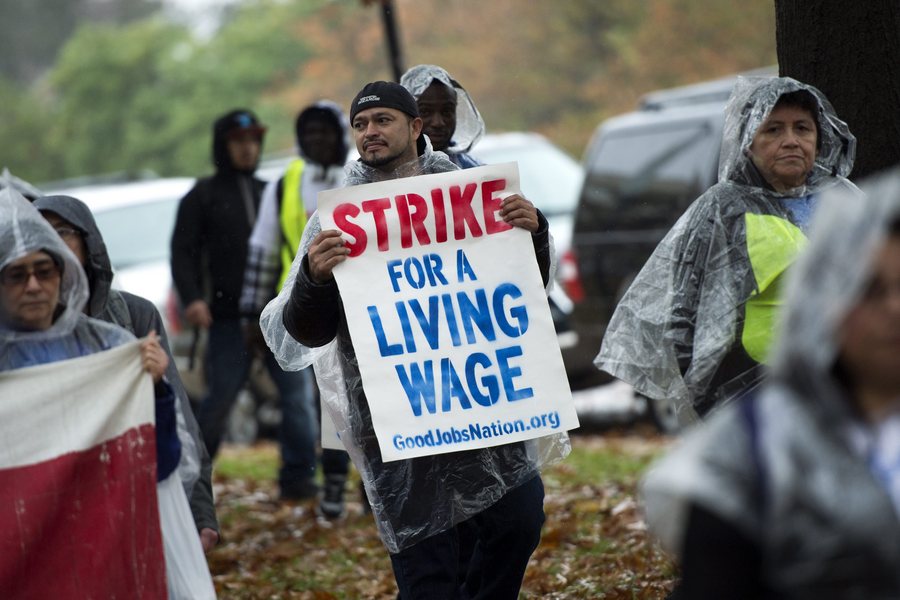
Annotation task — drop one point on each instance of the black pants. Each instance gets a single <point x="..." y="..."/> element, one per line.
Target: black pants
<point x="505" y="536"/>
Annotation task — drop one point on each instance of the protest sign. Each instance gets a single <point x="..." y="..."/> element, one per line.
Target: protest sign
<point x="447" y="313"/>
<point x="78" y="504"/>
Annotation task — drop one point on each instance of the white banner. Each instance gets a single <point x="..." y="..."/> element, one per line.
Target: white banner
<point x="447" y="313"/>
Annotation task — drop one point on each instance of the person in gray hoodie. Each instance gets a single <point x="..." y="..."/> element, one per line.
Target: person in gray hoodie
<point x="73" y="221"/>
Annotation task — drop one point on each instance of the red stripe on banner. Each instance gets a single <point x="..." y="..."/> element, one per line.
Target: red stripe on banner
<point x="84" y="525"/>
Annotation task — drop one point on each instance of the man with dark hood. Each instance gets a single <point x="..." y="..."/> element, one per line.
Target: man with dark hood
<point x="695" y="327"/>
<point x="322" y="142"/>
<point x="209" y="255"/>
<point x="75" y="224"/>
<point x="417" y="503"/>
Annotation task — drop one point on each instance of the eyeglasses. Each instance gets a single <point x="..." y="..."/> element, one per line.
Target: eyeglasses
<point x="19" y="276"/>
<point x="67" y="232"/>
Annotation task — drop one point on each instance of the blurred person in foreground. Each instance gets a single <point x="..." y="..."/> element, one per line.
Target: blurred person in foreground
<point x="209" y="256"/>
<point x="793" y="491"/>
<point x="449" y="116"/>
<point x="417" y="503"/>
<point x="43" y="290"/>
<point x="73" y="222"/>
<point x="322" y="135"/>
<point x="695" y="327"/>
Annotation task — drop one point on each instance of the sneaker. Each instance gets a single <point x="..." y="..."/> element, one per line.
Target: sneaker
<point x="331" y="506"/>
<point x="302" y="489"/>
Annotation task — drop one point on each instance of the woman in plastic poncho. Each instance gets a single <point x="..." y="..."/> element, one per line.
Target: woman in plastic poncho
<point x="43" y="290"/>
<point x="696" y="324"/>
<point x="793" y="491"/>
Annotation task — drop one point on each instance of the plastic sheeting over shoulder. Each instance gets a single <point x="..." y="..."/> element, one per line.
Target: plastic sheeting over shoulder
<point x="681" y="331"/>
<point x="469" y="124"/>
<point x="833" y="272"/>
<point x="798" y="451"/>
<point x="410" y="499"/>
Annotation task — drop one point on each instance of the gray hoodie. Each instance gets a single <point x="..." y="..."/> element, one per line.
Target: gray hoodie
<point x="139" y="316"/>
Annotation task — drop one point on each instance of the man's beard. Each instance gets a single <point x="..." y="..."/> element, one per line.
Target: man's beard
<point x="379" y="162"/>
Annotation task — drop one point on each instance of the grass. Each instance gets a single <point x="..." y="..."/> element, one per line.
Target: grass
<point x="593" y="544"/>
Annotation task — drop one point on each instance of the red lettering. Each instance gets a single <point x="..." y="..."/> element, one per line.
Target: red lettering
<point x="342" y="215"/>
<point x="440" y="217"/>
<point x="377" y="208"/>
<point x="414" y="221"/>
<point x="491" y="205"/>
<point x="461" y="203"/>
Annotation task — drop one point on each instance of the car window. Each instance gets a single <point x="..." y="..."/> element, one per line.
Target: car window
<point x="138" y="233"/>
<point x="625" y="164"/>
<point x="549" y="177"/>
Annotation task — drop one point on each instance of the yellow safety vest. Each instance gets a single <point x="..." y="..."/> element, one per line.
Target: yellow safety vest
<point x="772" y="245"/>
<point x="292" y="217"/>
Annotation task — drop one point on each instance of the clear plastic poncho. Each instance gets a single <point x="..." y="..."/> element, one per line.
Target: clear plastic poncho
<point x="790" y="478"/>
<point x="469" y="124"/>
<point x="680" y="332"/>
<point x="23" y="231"/>
<point x="410" y="499"/>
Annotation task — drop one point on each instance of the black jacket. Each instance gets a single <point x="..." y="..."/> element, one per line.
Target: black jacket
<point x="209" y="244"/>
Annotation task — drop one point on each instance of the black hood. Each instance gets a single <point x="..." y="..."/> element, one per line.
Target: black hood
<point x="99" y="270"/>
<point x="333" y="114"/>
<point x="227" y="123"/>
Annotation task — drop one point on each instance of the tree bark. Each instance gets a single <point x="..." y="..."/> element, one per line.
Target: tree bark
<point x="850" y="50"/>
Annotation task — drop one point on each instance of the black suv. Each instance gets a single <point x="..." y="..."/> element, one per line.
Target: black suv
<point x="642" y="170"/>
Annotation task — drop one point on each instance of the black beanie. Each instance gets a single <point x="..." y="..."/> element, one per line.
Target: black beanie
<point x="384" y="94"/>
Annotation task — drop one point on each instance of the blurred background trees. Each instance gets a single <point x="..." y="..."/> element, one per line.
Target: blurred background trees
<point x="101" y="86"/>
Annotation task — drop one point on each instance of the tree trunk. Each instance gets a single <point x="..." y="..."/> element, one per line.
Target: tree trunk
<point x="850" y="50"/>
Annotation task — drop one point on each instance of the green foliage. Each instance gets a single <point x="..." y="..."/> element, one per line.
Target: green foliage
<point x="143" y="96"/>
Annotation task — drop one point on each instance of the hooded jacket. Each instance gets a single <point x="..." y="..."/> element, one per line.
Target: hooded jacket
<point x="411" y="499"/>
<point x="284" y="209"/>
<point x="140" y="317"/>
<point x="784" y="467"/>
<point x="696" y="323"/>
<point x="209" y="243"/>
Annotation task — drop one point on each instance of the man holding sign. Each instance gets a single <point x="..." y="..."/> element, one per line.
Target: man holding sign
<point x="438" y="403"/>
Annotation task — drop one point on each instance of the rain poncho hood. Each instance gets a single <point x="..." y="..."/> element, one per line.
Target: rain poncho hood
<point x="469" y="124"/>
<point x="331" y="111"/>
<point x="751" y="101"/>
<point x="27" y="190"/>
<point x="410" y="499"/>
<point x="681" y="332"/>
<point x="22" y="231"/>
<point x="785" y="465"/>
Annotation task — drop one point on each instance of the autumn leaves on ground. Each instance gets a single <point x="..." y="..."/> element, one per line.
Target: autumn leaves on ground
<point x="594" y="543"/>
